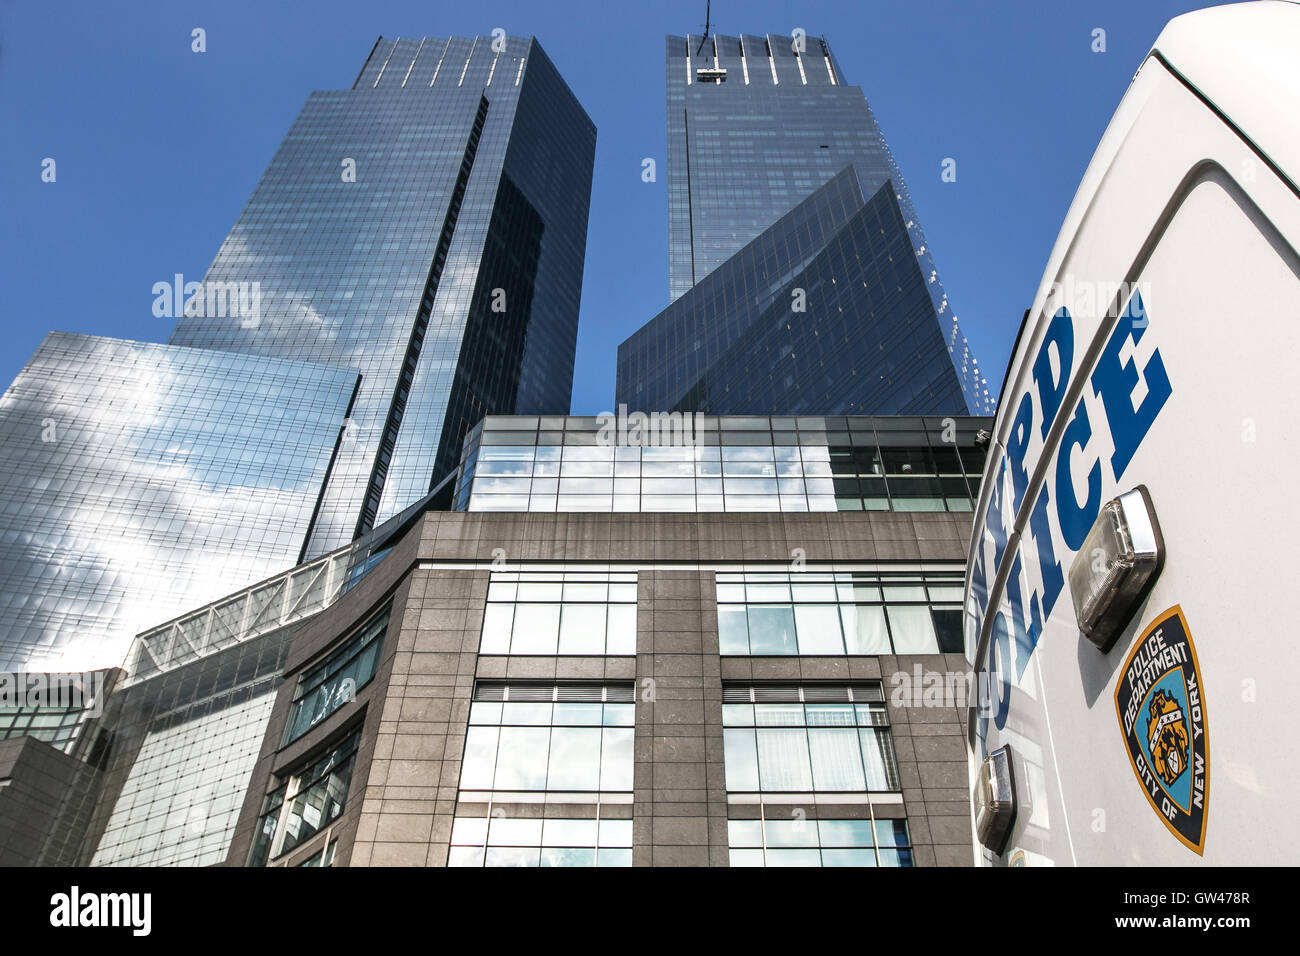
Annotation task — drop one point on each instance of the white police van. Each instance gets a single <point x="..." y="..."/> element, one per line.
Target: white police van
<point x="1129" y="599"/>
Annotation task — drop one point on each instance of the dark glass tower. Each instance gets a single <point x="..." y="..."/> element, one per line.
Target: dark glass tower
<point x="842" y="323"/>
<point x="756" y="125"/>
<point x="426" y="227"/>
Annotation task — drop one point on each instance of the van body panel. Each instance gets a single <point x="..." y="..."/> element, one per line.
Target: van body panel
<point x="1158" y="353"/>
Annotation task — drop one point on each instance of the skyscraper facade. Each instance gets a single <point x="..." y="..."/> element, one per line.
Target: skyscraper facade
<point x="756" y="125"/>
<point x="426" y="227"/>
<point x="410" y="261"/>
<point x="824" y="311"/>
<point x="139" y="480"/>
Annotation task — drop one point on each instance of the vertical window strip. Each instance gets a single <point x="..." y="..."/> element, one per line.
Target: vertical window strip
<point x="385" y="66"/>
<point x="465" y="69"/>
<point x="413" y="59"/>
<point x="442" y="57"/>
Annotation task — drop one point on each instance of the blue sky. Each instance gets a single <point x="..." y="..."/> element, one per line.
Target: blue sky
<point x="158" y="147"/>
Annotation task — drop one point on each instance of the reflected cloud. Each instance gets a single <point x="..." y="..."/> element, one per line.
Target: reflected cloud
<point x="176" y="476"/>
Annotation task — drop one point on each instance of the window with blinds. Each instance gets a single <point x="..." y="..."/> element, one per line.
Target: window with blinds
<point x="808" y="738"/>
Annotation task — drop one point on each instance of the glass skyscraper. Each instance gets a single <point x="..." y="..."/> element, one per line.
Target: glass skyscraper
<point x="140" y="480"/>
<point x="410" y="261"/>
<point x="824" y="310"/>
<point x="426" y="227"/>
<point x="756" y="125"/>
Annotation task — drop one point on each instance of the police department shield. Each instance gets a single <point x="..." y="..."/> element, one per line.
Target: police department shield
<point x="1160" y="702"/>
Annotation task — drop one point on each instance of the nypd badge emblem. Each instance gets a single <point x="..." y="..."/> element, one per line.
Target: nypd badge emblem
<point x="1160" y="702"/>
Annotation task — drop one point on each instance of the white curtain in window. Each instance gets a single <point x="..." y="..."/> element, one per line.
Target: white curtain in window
<point x="878" y="756"/>
<point x="783" y="760"/>
<point x="864" y="629"/>
<point x="836" y="759"/>
<point x="913" y="629"/>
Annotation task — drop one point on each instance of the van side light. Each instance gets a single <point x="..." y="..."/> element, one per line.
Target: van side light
<point x="1116" y="566"/>
<point x="995" y="800"/>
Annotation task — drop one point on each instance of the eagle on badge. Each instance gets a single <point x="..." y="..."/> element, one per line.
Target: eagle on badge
<point x="1167" y="737"/>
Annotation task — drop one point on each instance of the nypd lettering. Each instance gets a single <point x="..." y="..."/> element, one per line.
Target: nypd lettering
<point x="1122" y="398"/>
<point x="1160" y="703"/>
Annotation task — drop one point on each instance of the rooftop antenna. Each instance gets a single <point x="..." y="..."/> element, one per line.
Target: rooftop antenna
<point x="707" y="5"/>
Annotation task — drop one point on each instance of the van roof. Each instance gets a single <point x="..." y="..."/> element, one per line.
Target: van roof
<point x="1242" y="58"/>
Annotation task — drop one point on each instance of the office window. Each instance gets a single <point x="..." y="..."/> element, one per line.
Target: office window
<point x="514" y="841"/>
<point x="530" y="740"/>
<point x="329" y="685"/>
<point x="801" y="842"/>
<point x="732" y="464"/>
<point x="306" y="802"/>
<point x="322" y="857"/>
<point x="57" y="726"/>
<point x="814" y="738"/>
<point x="828" y="613"/>
<point x="356" y="573"/>
<point x="560" y="613"/>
